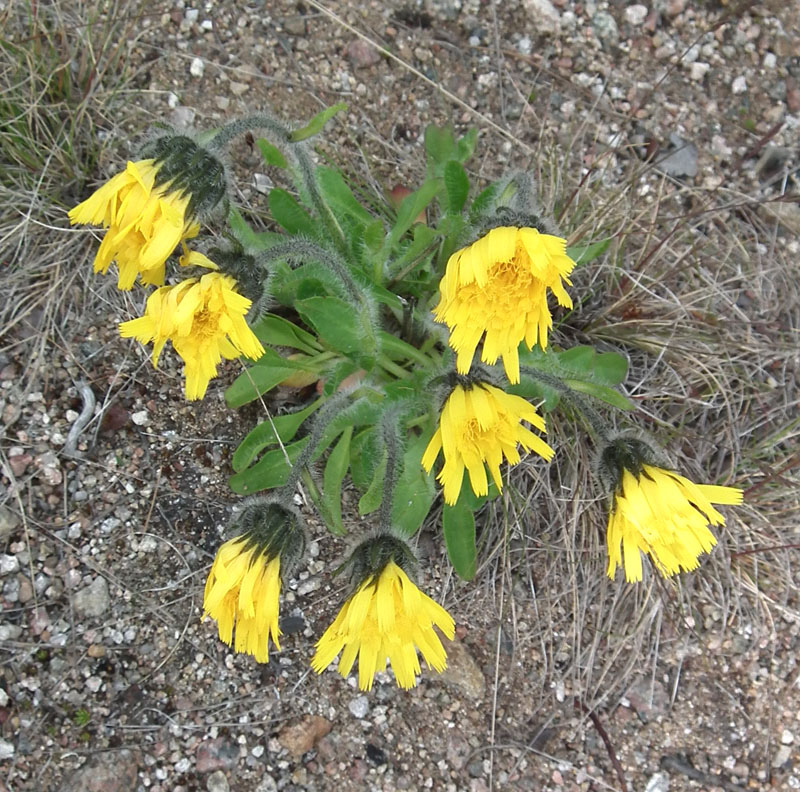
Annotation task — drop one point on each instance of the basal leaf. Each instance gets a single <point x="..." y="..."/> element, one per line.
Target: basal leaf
<point x="458" y="526"/>
<point x="335" y="471"/>
<point x="264" y="435"/>
<point x="267" y="372"/>
<point x="456" y="185"/>
<point x="272" y="470"/>
<point x="290" y="215"/>
<point x="314" y="126"/>
<point x="583" y="254"/>
<point x="414" y="491"/>
<point x="271" y="154"/>
<point x="277" y="331"/>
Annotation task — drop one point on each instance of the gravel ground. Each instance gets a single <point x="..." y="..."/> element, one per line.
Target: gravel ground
<point x="109" y="679"/>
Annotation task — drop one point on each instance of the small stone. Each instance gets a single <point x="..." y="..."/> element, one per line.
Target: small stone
<point x="191" y="15"/>
<point x="605" y="28"/>
<point x="649" y="699"/>
<point x="739" y="85"/>
<point x="8" y="564"/>
<point x="359" y="706"/>
<point x="698" y="70"/>
<point x="111" y="771"/>
<point x="658" y="782"/>
<point x="9" y="522"/>
<point x="216" y="754"/>
<point x="787" y="738"/>
<point x="300" y="737"/>
<point x="462" y="672"/>
<point x="222" y="102"/>
<point x="6" y="750"/>
<point x="217" y="782"/>
<point x="237" y="88"/>
<point x="267" y="784"/>
<point x="25" y="590"/>
<point x="675" y="7"/>
<point x="544" y="16"/>
<point x="782" y="756"/>
<point x="770" y="60"/>
<point x="525" y="45"/>
<point x="141" y="418"/>
<point x="197" y="67"/>
<point x="96" y="650"/>
<point x="635" y="14"/>
<point x="792" y="97"/>
<point x="362" y="54"/>
<point x="680" y="160"/>
<point x="93" y="600"/>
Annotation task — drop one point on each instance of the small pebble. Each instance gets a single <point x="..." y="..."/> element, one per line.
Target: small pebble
<point x="739" y="85"/>
<point x="635" y="14"/>
<point x="197" y="67"/>
<point x="359" y="706"/>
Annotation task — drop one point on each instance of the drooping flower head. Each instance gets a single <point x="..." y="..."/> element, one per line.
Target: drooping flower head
<point x="496" y="289"/>
<point x="657" y="512"/>
<point x="479" y="426"/>
<point x="386" y="617"/>
<point x="243" y="585"/>
<point x="150" y="207"/>
<point x="205" y="321"/>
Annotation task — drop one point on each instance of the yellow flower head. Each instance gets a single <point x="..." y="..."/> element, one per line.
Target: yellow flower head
<point x="204" y="319"/>
<point x="665" y="515"/>
<point x="245" y="579"/>
<point x="480" y="425"/>
<point x="387" y="617"/>
<point x="145" y="223"/>
<point x="242" y="589"/>
<point x="498" y="287"/>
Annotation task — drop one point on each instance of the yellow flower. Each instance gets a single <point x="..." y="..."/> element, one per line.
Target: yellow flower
<point x="666" y="516"/>
<point x="204" y="319"/>
<point x="481" y="424"/>
<point x="498" y="287"/>
<point x="242" y="590"/>
<point x="386" y="617"/>
<point x="145" y="223"/>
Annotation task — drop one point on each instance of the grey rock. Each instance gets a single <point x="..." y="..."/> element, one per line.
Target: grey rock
<point x="9" y="522"/>
<point x="216" y="754"/>
<point x="359" y="706"/>
<point x="8" y="564"/>
<point x="462" y="671"/>
<point x="605" y="28"/>
<point x="362" y="54"/>
<point x="94" y="599"/>
<point x="113" y="771"/>
<point x="658" y="782"/>
<point x="782" y="756"/>
<point x="217" y="782"/>
<point x="6" y="750"/>
<point x="267" y="784"/>
<point x="680" y="160"/>
<point x="544" y="16"/>
<point x="649" y="700"/>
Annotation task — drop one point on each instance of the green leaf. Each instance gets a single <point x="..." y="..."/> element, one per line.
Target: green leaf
<point x="583" y="254"/>
<point x="466" y="145"/>
<point x="439" y="143"/>
<point x="271" y="154"/>
<point x="371" y="500"/>
<point x="601" y="392"/>
<point x="247" y="237"/>
<point x="267" y="372"/>
<point x="374" y="235"/>
<point x="611" y="368"/>
<point x="314" y="126"/>
<point x="335" y="471"/>
<point x="362" y="458"/>
<point x="482" y="202"/>
<point x="456" y="184"/>
<point x="412" y="205"/>
<point x="264" y="434"/>
<point x="338" y="324"/>
<point x="270" y="471"/>
<point x="288" y="214"/>
<point x="277" y="331"/>
<point x="458" y="526"/>
<point x="423" y="239"/>
<point x="414" y="491"/>
<point x="339" y="196"/>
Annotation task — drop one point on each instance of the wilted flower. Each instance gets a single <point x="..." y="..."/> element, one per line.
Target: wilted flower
<point x="497" y="288"/>
<point x="204" y="319"/>
<point x="479" y="425"/>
